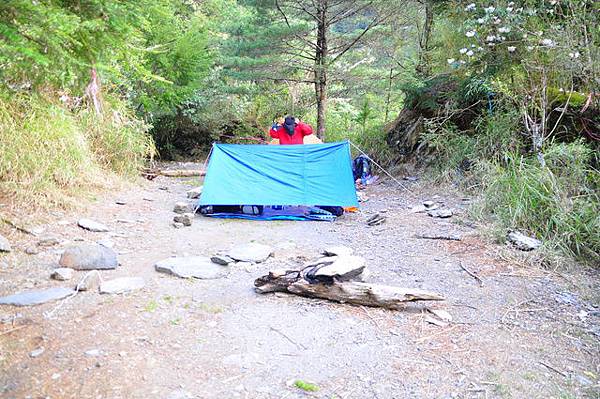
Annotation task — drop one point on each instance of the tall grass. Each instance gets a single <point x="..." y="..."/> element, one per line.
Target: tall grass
<point x="48" y="153"/>
<point x="559" y="203"/>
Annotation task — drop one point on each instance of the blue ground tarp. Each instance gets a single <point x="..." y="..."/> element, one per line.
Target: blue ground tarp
<point x="312" y="174"/>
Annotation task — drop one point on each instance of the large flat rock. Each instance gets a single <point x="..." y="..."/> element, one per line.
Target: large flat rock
<point x="200" y="267"/>
<point x="251" y="252"/>
<point x="36" y="297"/>
<point x="92" y="225"/>
<point x="121" y="285"/>
<point x="89" y="257"/>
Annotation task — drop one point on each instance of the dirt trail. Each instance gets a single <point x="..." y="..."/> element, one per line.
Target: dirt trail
<point x="525" y="333"/>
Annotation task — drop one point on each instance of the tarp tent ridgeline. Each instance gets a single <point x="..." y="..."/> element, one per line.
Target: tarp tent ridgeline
<point x="312" y="174"/>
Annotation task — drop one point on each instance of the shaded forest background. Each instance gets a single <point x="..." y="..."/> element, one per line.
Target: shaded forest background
<point x="501" y="99"/>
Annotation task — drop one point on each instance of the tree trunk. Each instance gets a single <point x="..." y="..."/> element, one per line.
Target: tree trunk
<point x="321" y="67"/>
<point x="423" y="67"/>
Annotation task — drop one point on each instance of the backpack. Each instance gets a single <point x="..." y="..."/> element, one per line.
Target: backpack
<point x="361" y="168"/>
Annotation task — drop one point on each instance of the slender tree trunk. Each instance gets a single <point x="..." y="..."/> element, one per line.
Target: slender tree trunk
<point x="388" y="95"/>
<point x="423" y="67"/>
<point x="321" y="67"/>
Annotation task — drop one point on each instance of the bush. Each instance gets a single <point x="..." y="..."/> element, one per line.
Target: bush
<point x="559" y="203"/>
<point x="48" y="151"/>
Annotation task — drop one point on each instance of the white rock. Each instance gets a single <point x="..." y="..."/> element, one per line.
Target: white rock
<point x="92" y="225"/>
<point x="523" y="242"/>
<point x="338" y="250"/>
<point x="251" y="252"/>
<point x="92" y="352"/>
<point x="36" y="353"/>
<point x="195" y="192"/>
<point x="62" y="273"/>
<point x="121" y="285"/>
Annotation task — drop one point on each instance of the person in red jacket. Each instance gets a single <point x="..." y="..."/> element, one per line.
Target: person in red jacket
<point x="292" y="131"/>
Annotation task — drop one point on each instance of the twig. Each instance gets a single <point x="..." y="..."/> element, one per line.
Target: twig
<point x="449" y="237"/>
<point x="371" y="317"/>
<point x="553" y="369"/>
<point x="423" y="339"/>
<point x="14" y="329"/>
<point x="470" y="273"/>
<point x="288" y="338"/>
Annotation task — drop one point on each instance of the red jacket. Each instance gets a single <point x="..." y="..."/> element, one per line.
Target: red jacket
<point x="302" y="129"/>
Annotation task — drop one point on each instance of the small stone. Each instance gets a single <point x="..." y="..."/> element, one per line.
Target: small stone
<point x="194" y="192"/>
<point x="121" y="285"/>
<point x="418" y="209"/>
<point x="55" y="376"/>
<point x="89" y="257"/>
<point x="191" y="266"/>
<point x="38" y="297"/>
<point x="92" y="352"/>
<point x="4" y="244"/>
<point x="428" y="204"/>
<point x="523" y="242"/>
<point x="125" y="221"/>
<point x="92" y="225"/>
<point x="185" y="219"/>
<point x="36" y="353"/>
<point x="338" y="250"/>
<point x="583" y="380"/>
<point x="62" y="274"/>
<point x="121" y="202"/>
<point x="32" y="250"/>
<point x="182" y="207"/>
<point x="63" y="223"/>
<point x="442" y="213"/>
<point x="223" y="260"/>
<point x="251" y="252"/>
<point x="178" y="225"/>
<point x="90" y="282"/>
<point x="48" y="242"/>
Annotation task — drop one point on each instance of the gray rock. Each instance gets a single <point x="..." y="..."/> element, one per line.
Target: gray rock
<point x="191" y="266"/>
<point x="36" y="352"/>
<point x="523" y="242"/>
<point x="428" y="204"/>
<point x="121" y="285"/>
<point x="4" y="244"/>
<point x="48" y="242"/>
<point x="177" y="225"/>
<point x="338" y="250"/>
<point x="62" y="273"/>
<point x="32" y="250"/>
<point x="121" y="202"/>
<point x="182" y="207"/>
<point x="251" y="252"/>
<point x="38" y="297"/>
<point x="92" y="225"/>
<point x="195" y="192"/>
<point x="222" y="260"/>
<point x="583" y="380"/>
<point x="442" y="213"/>
<point x="89" y="257"/>
<point x="185" y="219"/>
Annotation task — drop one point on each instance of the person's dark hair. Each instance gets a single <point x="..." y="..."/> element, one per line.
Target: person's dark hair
<point x="290" y="124"/>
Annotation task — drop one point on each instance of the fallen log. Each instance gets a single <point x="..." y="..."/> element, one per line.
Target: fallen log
<point x="327" y="281"/>
<point x="181" y="172"/>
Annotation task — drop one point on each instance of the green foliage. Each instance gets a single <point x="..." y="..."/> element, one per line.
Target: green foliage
<point x="559" y="203"/>
<point x="306" y="386"/>
<point x="48" y="150"/>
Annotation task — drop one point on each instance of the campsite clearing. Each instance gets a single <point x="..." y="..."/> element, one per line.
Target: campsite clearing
<point x="524" y="333"/>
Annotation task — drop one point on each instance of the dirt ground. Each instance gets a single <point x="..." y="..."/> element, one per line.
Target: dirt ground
<point x="525" y="333"/>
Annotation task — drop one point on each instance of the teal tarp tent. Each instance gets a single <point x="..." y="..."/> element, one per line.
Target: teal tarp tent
<point x="312" y="174"/>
